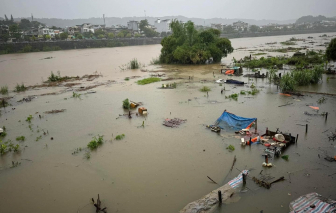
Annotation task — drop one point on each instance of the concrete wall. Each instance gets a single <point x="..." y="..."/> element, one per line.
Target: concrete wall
<point x="81" y="44"/>
<point x="250" y="34"/>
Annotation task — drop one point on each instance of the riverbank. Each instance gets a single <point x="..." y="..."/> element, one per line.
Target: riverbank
<point x="25" y="47"/>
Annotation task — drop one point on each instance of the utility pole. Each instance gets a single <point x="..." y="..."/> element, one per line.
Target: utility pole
<point x="104" y="19"/>
<point x="32" y="17"/>
<point x="145" y="15"/>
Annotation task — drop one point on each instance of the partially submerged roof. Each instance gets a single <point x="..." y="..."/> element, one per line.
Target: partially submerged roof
<point x="231" y="121"/>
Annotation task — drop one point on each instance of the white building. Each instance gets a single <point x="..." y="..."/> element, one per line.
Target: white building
<point x="239" y="25"/>
<point x="86" y="27"/>
<point x="133" y="25"/>
<point x="162" y="25"/>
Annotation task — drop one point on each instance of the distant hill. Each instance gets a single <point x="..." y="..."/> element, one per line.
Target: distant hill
<point x="123" y="21"/>
<point x="312" y="19"/>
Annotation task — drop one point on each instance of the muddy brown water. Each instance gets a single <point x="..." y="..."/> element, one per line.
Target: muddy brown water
<point x="154" y="169"/>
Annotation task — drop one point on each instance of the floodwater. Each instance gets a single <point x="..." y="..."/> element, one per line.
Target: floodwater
<point x="154" y="169"/>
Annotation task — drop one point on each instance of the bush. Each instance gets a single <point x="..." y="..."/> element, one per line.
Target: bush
<point x="21" y="138"/>
<point x="96" y="142"/>
<point x="126" y="104"/>
<point x="148" y="80"/>
<point x="287" y="83"/>
<point x="205" y="89"/>
<point x="20" y="88"/>
<point x="53" y="77"/>
<point x="4" y="90"/>
<point x="155" y="61"/>
<point x="120" y="137"/>
<point x="331" y="50"/>
<point x="27" y="49"/>
<point x="134" y="64"/>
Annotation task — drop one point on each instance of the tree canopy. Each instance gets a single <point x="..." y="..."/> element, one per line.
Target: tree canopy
<point x="188" y="46"/>
<point x="331" y="50"/>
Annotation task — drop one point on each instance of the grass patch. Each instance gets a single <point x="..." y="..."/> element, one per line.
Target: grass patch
<point x="4" y="90"/>
<point x="230" y="148"/>
<point x="260" y="54"/>
<point x="21" y="138"/>
<point x="233" y="96"/>
<point x="148" y="80"/>
<point x="120" y="137"/>
<point x="242" y="92"/>
<point x="96" y="142"/>
<point x="205" y="89"/>
<point x="76" y="95"/>
<point x="288" y="43"/>
<point x="20" y="88"/>
<point x="127" y="79"/>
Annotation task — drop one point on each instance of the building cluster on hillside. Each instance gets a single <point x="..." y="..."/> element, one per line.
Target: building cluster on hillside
<point x="86" y="30"/>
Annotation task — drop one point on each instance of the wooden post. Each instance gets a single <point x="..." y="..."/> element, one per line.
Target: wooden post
<point x="250" y="142"/>
<point x="220" y="197"/>
<point x="244" y="179"/>
<point x="306" y="128"/>
<point x="266" y="158"/>
<point x="256" y="125"/>
<point x="297" y="136"/>
<point x="266" y="130"/>
<point x="326" y="116"/>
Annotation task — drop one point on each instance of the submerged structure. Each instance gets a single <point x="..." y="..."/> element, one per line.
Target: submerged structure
<point x="229" y="121"/>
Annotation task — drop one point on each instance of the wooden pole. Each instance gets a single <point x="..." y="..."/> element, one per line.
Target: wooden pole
<point x="244" y="179"/>
<point x="256" y="126"/>
<point x="297" y="136"/>
<point x="266" y="158"/>
<point x="326" y="116"/>
<point x="306" y="128"/>
<point x="220" y="196"/>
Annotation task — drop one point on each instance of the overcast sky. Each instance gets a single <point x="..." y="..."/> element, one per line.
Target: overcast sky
<point x="251" y="9"/>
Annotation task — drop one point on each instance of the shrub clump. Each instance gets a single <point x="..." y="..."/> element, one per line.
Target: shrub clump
<point x="96" y="142"/>
<point x="126" y="104"/>
<point x="134" y="64"/>
<point x="4" y="90"/>
<point x="120" y="137"/>
<point x="205" y="89"/>
<point x="21" y="138"/>
<point x="20" y="88"/>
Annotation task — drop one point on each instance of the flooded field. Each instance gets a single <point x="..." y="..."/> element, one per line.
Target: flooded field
<point x="155" y="168"/>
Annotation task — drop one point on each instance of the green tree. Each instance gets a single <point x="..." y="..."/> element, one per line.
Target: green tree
<point x="4" y="37"/>
<point x="110" y="35"/>
<point x="188" y="46"/>
<point x="120" y="35"/>
<point x="101" y="36"/>
<point x="79" y="36"/>
<point x="47" y="37"/>
<point x="150" y="32"/>
<point x="137" y="35"/>
<point x="128" y="35"/>
<point x="99" y="32"/>
<point x="331" y="50"/>
<point x="64" y="36"/>
<point x="143" y="24"/>
<point x="14" y="31"/>
<point x="57" y="37"/>
<point x="33" y="38"/>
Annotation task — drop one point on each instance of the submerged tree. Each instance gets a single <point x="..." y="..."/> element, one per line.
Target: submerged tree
<point x="188" y="46"/>
<point x="331" y="50"/>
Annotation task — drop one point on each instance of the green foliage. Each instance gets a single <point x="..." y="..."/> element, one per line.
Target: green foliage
<point x="150" y="32"/>
<point x="128" y="35"/>
<point x="87" y="155"/>
<point x="120" y="137"/>
<point x="254" y="91"/>
<point x="126" y="104"/>
<point x="137" y="35"/>
<point x="27" y="49"/>
<point x="188" y="46"/>
<point x="331" y="50"/>
<point x="110" y="35"/>
<point x="29" y="118"/>
<point x="233" y="96"/>
<point x="230" y="148"/>
<point x="53" y="77"/>
<point x="120" y="35"/>
<point x="64" y="36"/>
<point x="20" y="88"/>
<point x="148" y="80"/>
<point x="143" y="24"/>
<point x="288" y="43"/>
<point x="8" y="146"/>
<point x="127" y="79"/>
<point x="285" y="157"/>
<point x="205" y="89"/>
<point x="96" y="142"/>
<point x="76" y="95"/>
<point x="134" y="64"/>
<point x="287" y="83"/>
<point x="38" y="138"/>
<point x="242" y="92"/>
<point x="4" y="90"/>
<point x="21" y="138"/>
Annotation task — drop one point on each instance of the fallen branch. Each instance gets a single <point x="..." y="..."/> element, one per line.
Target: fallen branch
<point x="212" y="180"/>
<point x="234" y="161"/>
<point x="285" y="105"/>
<point x="97" y="205"/>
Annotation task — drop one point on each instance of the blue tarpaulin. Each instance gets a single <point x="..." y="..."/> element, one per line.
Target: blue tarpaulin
<point x="231" y="121"/>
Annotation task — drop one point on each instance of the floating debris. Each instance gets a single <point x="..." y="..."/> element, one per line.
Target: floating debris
<point x="54" y="111"/>
<point x="175" y="122"/>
